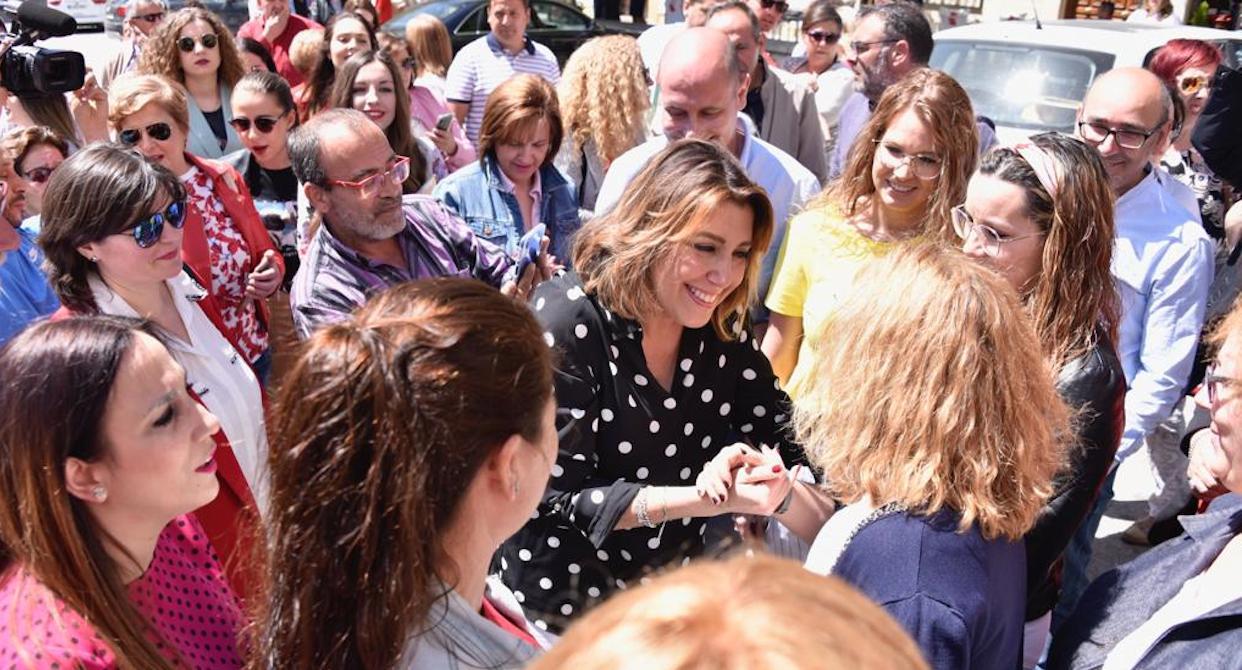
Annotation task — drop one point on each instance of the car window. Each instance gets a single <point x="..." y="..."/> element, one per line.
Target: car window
<point x="440" y="10"/>
<point x="551" y="16"/>
<point x="1025" y="86"/>
<point x="476" y="22"/>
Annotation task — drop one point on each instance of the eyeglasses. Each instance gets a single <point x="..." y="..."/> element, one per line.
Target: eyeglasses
<point x="964" y="225"/>
<point x="263" y="124"/>
<point x="148" y="230"/>
<point x="1193" y="84"/>
<point x="1096" y="133"/>
<point x="157" y="131"/>
<point x="861" y="48"/>
<point x="923" y="166"/>
<point x="151" y="18"/>
<point x="821" y="37"/>
<point x="209" y="41"/>
<point x="780" y="5"/>
<point x="39" y="175"/>
<point x="1212" y="380"/>
<point x="369" y="187"/>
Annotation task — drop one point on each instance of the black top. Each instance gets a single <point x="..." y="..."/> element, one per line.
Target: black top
<point x="216" y="121"/>
<point x="619" y="430"/>
<point x="277" y="185"/>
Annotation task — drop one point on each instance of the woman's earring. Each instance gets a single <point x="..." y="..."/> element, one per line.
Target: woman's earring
<point x="100" y="493"/>
<point x="94" y="259"/>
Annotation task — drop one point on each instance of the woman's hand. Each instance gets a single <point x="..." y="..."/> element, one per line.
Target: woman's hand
<point x="265" y="278"/>
<point x="89" y="106"/>
<point x="443" y="141"/>
<point x="760" y="489"/>
<point x="1206" y="459"/>
<point x="716" y="480"/>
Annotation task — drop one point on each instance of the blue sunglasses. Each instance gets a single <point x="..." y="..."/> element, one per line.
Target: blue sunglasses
<point x="148" y="230"/>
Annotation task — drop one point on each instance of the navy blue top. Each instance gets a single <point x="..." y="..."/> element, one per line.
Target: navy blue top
<point x="960" y="596"/>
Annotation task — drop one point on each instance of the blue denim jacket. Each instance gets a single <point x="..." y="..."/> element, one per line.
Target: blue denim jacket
<point x="476" y="193"/>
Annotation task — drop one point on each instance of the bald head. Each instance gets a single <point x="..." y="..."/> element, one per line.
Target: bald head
<point x="1139" y="88"/>
<point x="699" y="54"/>
<point x="702" y="88"/>
<point x="1133" y="102"/>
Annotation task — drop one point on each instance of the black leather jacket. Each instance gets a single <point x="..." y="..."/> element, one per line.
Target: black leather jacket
<point x="1094" y="386"/>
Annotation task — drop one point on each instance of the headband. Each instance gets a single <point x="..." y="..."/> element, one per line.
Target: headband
<point x="1044" y="166"/>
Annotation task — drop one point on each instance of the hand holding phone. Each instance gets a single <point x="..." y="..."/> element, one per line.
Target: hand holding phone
<point x="528" y="248"/>
<point x="444" y="121"/>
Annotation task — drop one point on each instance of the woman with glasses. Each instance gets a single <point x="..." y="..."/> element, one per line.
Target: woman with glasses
<point x="428" y="110"/>
<point x="904" y="174"/>
<point x="194" y="48"/>
<point x="834" y="80"/>
<point x="36" y="151"/>
<point x="112" y="234"/>
<point x="1179" y="605"/>
<point x="1040" y="214"/>
<point x="226" y="244"/>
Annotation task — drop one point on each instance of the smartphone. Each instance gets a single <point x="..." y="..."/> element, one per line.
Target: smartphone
<point x="528" y="248"/>
<point x="445" y="120"/>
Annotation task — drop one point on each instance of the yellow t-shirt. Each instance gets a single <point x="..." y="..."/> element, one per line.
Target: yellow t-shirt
<point x="815" y="272"/>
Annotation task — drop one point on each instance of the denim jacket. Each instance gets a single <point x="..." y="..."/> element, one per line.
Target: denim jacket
<point x="477" y="194"/>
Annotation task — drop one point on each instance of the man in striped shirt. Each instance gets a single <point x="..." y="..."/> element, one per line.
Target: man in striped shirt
<point x="483" y="64"/>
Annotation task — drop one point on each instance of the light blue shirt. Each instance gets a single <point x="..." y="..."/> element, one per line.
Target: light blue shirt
<point x="789" y="185"/>
<point x="25" y="295"/>
<point x="1163" y="266"/>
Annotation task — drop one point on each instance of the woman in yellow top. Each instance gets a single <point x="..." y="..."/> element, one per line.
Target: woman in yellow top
<point x="906" y="171"/>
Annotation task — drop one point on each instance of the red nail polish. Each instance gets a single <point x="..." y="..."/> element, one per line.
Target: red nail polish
<point x="776" y="468"/>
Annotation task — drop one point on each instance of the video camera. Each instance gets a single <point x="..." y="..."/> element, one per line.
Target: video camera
<point x="26" y="69"/>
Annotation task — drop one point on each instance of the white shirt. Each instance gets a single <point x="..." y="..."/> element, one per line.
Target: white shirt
<point x="219" y="376"/>
<point x="789" y="185"/>
<point x="835" y="536"/>
<point x="1198" y="596"/>
<point x="483" y="64"/>
<point x="1163" y="266"/>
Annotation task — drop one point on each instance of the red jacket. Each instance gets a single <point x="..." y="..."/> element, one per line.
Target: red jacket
<point x="232" y="519"/>
<point x="231" y="188"/>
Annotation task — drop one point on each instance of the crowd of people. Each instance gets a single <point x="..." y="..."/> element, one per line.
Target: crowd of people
<point x="327" y="348"/>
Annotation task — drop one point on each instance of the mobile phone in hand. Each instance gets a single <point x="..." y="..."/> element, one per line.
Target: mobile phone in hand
<point x="444" y="121"/>
<point x="528" y="248"/>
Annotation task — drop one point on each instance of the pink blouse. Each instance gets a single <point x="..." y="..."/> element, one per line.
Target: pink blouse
<point x="183" y="594"/>
<point x="425" y="108"/>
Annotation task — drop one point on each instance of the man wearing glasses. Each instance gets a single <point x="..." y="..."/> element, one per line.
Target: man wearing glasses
<point x="1163" y="265"/>
<point x="142" y="17"/>
<point x="369" y="237"/>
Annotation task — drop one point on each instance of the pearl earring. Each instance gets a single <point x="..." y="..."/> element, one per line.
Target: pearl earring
<point x="100" y="493"/>
<point x="94" y="259"/>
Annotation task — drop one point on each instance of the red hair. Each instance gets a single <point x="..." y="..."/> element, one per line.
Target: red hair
<point x="1180" y="54"/>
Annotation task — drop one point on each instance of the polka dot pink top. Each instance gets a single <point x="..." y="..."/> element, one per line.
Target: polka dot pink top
<point x="193" y="614"/>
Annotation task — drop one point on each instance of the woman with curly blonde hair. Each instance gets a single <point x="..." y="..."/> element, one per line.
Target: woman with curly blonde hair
<point x="194" y="48"/>
<point x="604" y="105"/>
<point x="905" y="173"/>
<point x="933" y="414"/>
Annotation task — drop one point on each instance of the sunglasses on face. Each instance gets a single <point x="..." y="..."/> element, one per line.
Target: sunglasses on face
<point x="148" y="230"/>
<point x="1193" y="84"/>
<point x="263" y="124"/>
<point x="779" y="5"/>
<point x="821" y="37"/>
<point x="186" y="44"/>
<point x="156" y="131"/>
<point x="39" y="175"/>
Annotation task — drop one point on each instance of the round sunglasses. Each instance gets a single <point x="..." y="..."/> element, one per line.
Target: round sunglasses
<point x="157" y="131"/>
<point x="209" y="41"/>
<point x="822" y="37"/>
<point x="263" y="124"/>
<point x="149" y="229"/>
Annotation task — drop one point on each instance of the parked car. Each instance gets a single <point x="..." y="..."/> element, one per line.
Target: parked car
<point x="1030" y="78"/>
<point x="556" y="25"/>
<point x="90" y="14"/>
<point x="233" y="12"/>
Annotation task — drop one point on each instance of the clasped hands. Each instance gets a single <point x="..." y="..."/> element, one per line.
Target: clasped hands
<point x="745" y="480"/>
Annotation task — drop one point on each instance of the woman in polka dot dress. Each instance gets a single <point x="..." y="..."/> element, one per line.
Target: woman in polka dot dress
<point x="653" y="381"/>
<point x="105" y="455"/>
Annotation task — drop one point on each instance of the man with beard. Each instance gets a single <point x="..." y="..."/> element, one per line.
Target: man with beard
<point x="368" y="237"/>
<point x="24" y="292"/>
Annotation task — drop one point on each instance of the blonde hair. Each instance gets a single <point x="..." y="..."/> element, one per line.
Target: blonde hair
<point x="604" y="95"/>
<point x="305" y="52"/>
<point x="161" y="56"/>
<point x="129" y="93"/>
<point x="928" y="388"/>
<point x="743" y="613"/>
<point x="617" y="254"/>
<point x="944" y="107"/>
<point x="430" y="45"/>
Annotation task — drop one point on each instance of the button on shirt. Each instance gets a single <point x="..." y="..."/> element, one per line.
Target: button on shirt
<point x="619" y="431"/>
<point x="1163" y="266"/>
<point x="25" y="294"/>
<point x="484" y="64"/>
<point x="334" y="279"/>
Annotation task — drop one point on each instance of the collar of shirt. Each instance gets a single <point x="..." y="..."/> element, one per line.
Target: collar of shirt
<point x="619" y="327"/>
<point x="184" y="289"/>
<point x="507" y="185"/>
<point x="747" y="128"/>
<point x="349" y="255"/>
<point x="494" y="44"/>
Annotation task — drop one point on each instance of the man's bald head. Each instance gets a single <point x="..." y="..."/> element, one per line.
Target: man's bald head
<point x="700" y="53"/>
<point x="1132" y="101"/>
<point x="702" y="88"/>
<point x="1141" y="87"/>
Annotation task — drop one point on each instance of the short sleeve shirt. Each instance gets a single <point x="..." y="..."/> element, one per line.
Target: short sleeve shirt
<point x="619" y="430"/>
<point x="483" y="65"/>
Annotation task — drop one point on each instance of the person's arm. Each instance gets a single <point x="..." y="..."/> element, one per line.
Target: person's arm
<point x="811" y="137"/>
<point x="465" y="153"/>
<point x="786" y="297"/>
<point x="781" y="343"/>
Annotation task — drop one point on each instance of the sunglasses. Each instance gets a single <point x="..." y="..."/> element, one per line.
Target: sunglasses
<point x="209" y="41"/>
<point x="148" y="230"/>
<point x="156" y="131"/>
<point x="780" y="5"/>
<point x="39" y="175"/>
<point x="263" y="124"/>
<point x="821" y="37"/>
<point x="1193" y="84"/>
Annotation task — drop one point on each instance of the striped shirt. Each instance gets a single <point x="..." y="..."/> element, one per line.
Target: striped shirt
<point x="334" y="279"/>
<point x="483" y="65"/>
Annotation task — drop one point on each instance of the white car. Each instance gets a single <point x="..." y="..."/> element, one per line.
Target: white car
<point x="1029" y="79"/>
<point x="90" y="14"/>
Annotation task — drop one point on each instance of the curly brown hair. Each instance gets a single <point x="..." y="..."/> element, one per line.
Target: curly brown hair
<point x="604" y="96"/>
<point x="160" y="55"/>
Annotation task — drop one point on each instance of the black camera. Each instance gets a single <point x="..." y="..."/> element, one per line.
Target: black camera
<point x="27" y="69"/>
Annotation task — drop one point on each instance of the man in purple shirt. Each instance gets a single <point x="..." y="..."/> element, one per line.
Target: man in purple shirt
<point x="371" y="237"/>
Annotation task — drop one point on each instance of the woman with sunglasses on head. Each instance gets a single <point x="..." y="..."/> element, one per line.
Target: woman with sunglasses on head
<point x="103" y="562"/>
<point x="37" y="151"/>
<point x="428" y="109"/>
<point x="834" y="80"/>
<point x="1041" y="215"/>
<point x="112" y="234"/>
<point x="345" y="35"/>
<point x="194" y="48"/>
<point x="226" y="243"/>
<point x="904" y="174"/>
<point x="255" y="57"/>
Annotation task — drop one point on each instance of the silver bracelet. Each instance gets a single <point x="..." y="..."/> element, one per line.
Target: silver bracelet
<point x="640" y="509"/>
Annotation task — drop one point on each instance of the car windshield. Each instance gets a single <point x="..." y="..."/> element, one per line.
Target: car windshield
<point x="1028" y="86"/>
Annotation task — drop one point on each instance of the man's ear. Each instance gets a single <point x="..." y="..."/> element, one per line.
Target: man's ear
<point x="899" y="55"/>
<point x="318" y="197"/>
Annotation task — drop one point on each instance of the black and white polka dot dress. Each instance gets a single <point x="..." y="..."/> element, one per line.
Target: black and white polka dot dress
<point x="619" y="431"/>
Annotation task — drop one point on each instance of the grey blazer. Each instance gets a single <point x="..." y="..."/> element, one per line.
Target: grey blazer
<point x="201" y="141"/>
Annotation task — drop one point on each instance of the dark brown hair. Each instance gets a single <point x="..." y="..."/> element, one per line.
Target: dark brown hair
<point x="400" y="134"/>
<point x="19" y="142"/>
<point x="319" y="84"/>
<point x="512" y="110"/>
<point x="161" y="56"/>
<point x="58" y="377"/>
<point x="99" y="191"/>
<point x="379" y="427"/>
